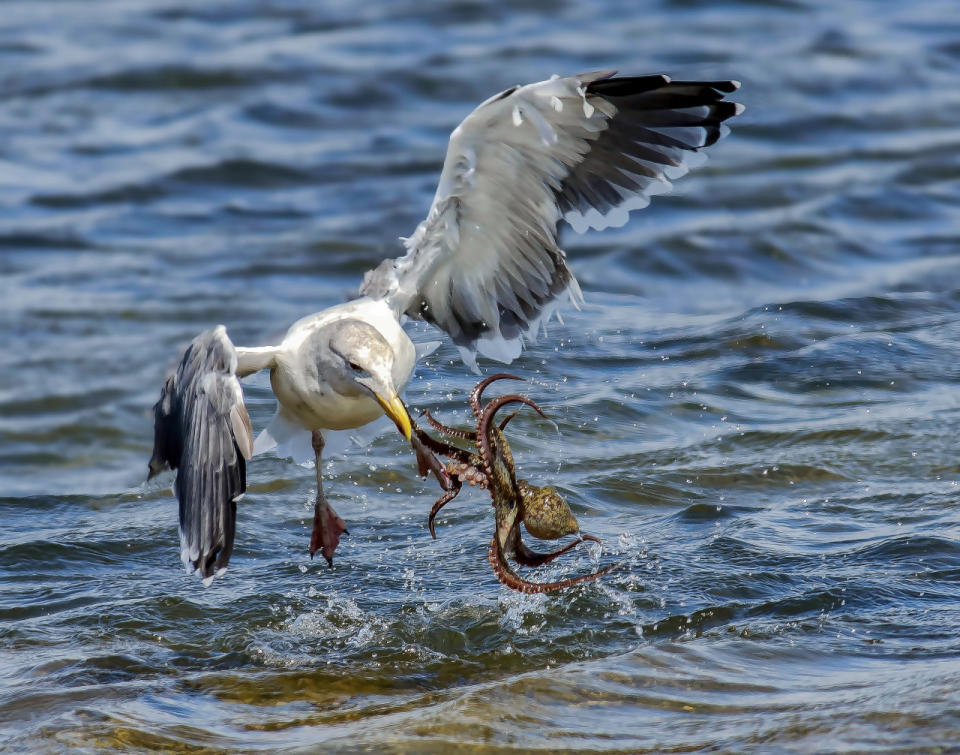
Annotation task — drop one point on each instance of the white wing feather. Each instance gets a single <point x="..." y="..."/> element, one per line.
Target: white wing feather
<point x="485" y="265"/>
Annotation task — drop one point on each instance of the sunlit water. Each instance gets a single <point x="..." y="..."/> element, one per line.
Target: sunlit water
<point x="758" y="407"/>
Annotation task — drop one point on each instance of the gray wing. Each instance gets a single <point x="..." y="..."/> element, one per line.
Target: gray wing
<point x="201" y="429"/>
<point x="485" y="265"/>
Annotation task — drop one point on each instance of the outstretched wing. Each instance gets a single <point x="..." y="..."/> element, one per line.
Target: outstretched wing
<point x="485" y="265"/>
<point x="201" y="429"/>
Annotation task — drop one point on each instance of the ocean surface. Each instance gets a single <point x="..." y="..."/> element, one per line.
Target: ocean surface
<point x="758" y="408"/>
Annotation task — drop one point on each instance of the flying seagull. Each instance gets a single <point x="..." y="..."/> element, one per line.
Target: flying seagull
<point x="485" y="266"/>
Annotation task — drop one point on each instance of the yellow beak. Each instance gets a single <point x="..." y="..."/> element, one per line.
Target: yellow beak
<point x="393" y="407"/>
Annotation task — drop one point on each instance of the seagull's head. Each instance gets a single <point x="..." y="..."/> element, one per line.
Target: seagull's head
<point x="363" y="363"/>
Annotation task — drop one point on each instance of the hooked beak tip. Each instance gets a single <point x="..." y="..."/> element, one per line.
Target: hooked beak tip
<point x="394" y="408"/>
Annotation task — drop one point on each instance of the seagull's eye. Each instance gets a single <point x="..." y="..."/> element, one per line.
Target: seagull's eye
<point x="355" y="367"/>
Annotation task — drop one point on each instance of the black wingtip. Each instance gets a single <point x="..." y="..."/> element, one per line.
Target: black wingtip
<point x="621" y="86"/>
<point x="727" y="86"/>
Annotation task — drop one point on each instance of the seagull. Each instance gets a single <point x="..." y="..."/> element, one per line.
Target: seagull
<point x="485" y="266"/>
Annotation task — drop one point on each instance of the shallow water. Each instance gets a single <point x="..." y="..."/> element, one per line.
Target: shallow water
<point x="757" y="408"/>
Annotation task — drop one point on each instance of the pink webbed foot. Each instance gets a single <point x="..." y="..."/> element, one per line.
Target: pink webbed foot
<point x="327" y="529"/>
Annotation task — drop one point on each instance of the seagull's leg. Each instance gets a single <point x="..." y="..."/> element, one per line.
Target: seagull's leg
<point x="327" y="525"/>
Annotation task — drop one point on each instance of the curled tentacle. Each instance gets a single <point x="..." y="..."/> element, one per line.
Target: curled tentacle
<point x="427" y="462"/>
<point x="541" y="509"/>
<point x="514" y="581"/>
<point x="506" y="420"/>
<point x="477" y="393"/>
<point x="439" y="447"/>
<point x="453" y="432"/>
<point x="441" y="502"/>
<point x="486" y="417"/>
<point x="527" y="557"/>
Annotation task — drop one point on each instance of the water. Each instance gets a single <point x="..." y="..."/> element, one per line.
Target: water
<point x="757" y="408"/>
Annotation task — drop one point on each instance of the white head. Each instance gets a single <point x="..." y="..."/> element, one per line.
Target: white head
<point x="358" y="360"/>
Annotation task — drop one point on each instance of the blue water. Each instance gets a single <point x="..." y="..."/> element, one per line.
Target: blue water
<point x="758" y="407"/>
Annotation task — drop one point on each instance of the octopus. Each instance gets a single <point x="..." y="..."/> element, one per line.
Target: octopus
<point x="542" y="510"/>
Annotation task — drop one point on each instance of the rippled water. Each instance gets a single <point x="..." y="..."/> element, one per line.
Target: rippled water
<point x="758" y="408"/>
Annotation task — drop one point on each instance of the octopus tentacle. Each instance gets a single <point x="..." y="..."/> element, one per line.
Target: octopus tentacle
<point x="427" y="462"/>
<point x="527" y="557"/>
<point x="506" y="420"/>
<point x="486" y="417"/>
<point x="441" y="502"/>
<point x="440" y="447"/>
<point x="447" y="430"/>
<point x="514" y="581"/>
<point x="477" y="393"/>
<point x="492" y="467"/>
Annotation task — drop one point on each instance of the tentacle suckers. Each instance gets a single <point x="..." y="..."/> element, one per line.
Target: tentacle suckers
<point x="542" y="510"/>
